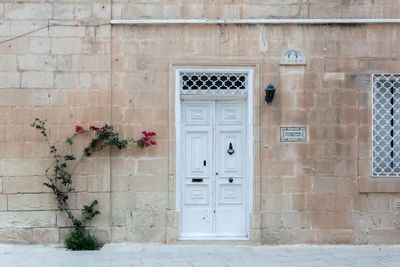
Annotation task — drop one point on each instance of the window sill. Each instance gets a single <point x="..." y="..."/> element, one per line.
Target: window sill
<point x="379" y="185"/>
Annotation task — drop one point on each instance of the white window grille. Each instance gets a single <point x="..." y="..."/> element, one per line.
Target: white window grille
<point x="213" y="83"/>
<point x="386" y="125"/>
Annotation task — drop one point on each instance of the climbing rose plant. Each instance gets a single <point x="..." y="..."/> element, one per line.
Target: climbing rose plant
<point x="60" y="173"/>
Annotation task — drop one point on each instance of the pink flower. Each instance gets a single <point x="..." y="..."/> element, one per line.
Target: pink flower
<point x="78" y="128"/>
<point x="145" y="140"/>
<point x="145" y="133"/>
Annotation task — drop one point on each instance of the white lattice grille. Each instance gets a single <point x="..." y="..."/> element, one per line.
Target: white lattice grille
<point x="386" y="125"/>
<point x="213" y="83"/>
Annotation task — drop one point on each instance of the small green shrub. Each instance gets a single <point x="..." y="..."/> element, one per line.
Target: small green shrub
<point x="76" y="240"/>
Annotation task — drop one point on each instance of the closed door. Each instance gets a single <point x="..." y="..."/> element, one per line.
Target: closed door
<point x="214" y="186"/>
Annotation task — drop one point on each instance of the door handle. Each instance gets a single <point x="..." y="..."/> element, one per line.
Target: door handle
<point x="197" y="180"/>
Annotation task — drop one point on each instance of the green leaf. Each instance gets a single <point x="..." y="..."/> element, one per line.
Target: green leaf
<point x="69" y="157"/>
<point x="53" y="149"/>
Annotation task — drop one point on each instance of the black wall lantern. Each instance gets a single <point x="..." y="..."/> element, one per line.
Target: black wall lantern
<point x="269" y="93"/>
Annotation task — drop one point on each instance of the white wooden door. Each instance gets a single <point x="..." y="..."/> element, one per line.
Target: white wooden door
<point x="214" y="184"/>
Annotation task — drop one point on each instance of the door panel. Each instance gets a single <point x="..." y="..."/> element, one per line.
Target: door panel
<point x="231" y="194"/>
<point x="230" y="164"/>
<point x="230" y="207"/>
<point x="197" y="210"/>
<point x="197" y="194"/>
<point x="230" y="113"/>
<point x="197" y="113"/>
<point x="197" y="150"/>
<point x="214" y="194"/>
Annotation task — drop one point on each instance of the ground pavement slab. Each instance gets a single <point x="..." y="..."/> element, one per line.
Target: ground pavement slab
<point x="135" y="255"/>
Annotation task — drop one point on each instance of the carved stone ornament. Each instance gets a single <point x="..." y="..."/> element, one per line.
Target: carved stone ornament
<point x="293" y="57"/>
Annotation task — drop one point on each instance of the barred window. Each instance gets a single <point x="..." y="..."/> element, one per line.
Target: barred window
<point x="213" y="83"/>
<point x="386" y="125"/>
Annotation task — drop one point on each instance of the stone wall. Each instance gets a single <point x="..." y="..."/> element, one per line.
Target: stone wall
<point x="309" y="192"/>
<point x="60" y="73"/>
<point x="253" y="9"/>
<point x="314" y="192"/>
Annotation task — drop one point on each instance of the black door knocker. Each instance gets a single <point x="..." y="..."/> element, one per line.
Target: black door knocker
<point x="230" y="150"/>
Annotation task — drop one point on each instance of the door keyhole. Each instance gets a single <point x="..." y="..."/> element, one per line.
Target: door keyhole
<point x="204" y="163"/>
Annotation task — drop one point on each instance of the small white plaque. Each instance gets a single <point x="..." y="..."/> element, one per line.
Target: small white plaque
<point x="293" y="134"/>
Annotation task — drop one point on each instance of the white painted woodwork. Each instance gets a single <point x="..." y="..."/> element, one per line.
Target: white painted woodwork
<point x="214" y="206"/>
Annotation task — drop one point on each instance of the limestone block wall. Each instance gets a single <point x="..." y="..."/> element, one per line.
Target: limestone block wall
<point x="324" y="186"/>
<point x="58" y="73"/>
<point x="253" y="9"/>
<point x="308" y="192"/>
<point x="90" y="74"/>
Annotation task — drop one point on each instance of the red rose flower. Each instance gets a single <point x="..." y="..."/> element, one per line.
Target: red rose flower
<point x="93" y="128"/>
<point x="78" y="128"/>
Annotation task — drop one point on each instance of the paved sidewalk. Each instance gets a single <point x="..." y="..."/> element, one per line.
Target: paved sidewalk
<point x="124" y="255"/>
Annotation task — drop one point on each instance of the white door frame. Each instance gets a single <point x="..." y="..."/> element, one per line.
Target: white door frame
<point x="249" y="134"/>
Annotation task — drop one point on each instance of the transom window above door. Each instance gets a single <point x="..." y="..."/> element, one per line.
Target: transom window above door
<point x="195" y="82"/>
